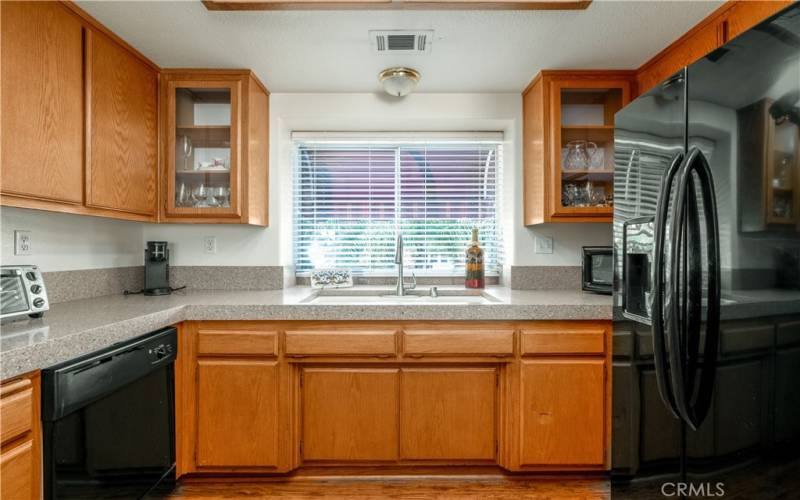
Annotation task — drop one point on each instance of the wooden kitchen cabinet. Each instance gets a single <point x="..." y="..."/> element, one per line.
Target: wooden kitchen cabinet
<point x="563" y="412"/>
<point x="449" y="413"/>
<point x="80" y="108"/>
<point x="237" y="413"/>
<point x="568" y="148"/>
<point x="216" y="137"/>
<point x="122" y="151"/>
<point x="42" y="102"/>
<point x="232" y="399"/>
<point x="349" y="414"/>
<point x="21" y="448"/>
<point x="267" y="397"/>
<point x="718" y="28"/>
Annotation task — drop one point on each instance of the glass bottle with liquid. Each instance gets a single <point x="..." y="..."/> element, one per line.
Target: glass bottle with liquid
<point x="474" y="263"/>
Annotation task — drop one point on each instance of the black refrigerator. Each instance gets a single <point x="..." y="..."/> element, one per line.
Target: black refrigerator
<point x="706" y="376"/>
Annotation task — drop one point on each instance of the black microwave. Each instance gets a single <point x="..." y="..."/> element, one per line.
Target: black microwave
<point x="598" y="269"/>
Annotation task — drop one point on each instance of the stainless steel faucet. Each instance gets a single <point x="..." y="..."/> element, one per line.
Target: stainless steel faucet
<point x="398" y="259"/>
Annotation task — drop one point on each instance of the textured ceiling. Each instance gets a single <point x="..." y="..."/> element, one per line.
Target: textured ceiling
<point x="329" y="51"/>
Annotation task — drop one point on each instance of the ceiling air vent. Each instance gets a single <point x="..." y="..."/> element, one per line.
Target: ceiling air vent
<point x="401" y="41"/>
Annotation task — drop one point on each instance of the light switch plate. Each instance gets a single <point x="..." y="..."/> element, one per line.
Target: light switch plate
<point x="23" y="243"/>
<point x="210" y="244"/>
<point x="543" y="244"/>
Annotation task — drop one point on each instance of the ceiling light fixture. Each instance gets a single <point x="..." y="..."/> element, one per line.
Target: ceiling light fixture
<point x="399" y="81"/>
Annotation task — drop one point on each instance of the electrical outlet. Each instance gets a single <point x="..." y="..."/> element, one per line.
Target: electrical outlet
<point x="543" y="244"/>
<point x="210" y="244"/>
<point x="22" y="243"/>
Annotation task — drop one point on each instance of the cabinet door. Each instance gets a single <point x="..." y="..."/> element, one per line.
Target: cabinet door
<point x="122" y="160"/>
<point x="42" y="102"/>
<point x="17" y="471"/>
<point x="563" y="412"/>
<point x="237" y="413"/>
<point x="448" y="413"/>
<point x="202" y="153"/>
<point x="582" y="150"/>
<point x="350" y="414"/>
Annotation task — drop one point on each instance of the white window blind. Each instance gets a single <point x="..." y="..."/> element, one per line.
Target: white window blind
<point x="353" y="196"/>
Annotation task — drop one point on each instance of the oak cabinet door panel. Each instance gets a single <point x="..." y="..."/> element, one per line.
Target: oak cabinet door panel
<point x="237" y="413"/>
<point x="42" y="102"/>
<point x="350" y="414"/>
<point x="448" y="413"/>
<point x="123" y="156"/>
<point x="563" y="408"/>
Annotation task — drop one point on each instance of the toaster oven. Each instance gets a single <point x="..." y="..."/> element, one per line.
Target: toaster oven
<point x="22" y="292"/>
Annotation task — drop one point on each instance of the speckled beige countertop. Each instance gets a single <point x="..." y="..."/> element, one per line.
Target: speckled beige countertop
<point x="71" y="329"/>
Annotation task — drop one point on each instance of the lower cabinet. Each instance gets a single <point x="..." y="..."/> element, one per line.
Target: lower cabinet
<point x="20" y="433"/>
<point x="16" y="470"/>
<point x="237" y="413"/>
<point x="563" y="412"/>
<point x="270" y="397"/>
<point x="448" y="413"/>
<point x="399" y="414"/>
<point x="349" y="414"/>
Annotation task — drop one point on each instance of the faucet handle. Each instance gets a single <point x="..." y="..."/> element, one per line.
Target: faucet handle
<point x="413" y="284"/>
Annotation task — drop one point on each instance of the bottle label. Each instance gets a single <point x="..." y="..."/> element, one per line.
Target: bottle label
<point x="474" y="269"/>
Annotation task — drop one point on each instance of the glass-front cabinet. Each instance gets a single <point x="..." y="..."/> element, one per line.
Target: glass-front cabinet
<point x="569" y="144"/>
<point x="584" y="169"/>
<point x="216" y="148"/>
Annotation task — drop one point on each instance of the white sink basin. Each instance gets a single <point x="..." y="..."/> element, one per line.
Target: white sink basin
<point x="383" y="297"/>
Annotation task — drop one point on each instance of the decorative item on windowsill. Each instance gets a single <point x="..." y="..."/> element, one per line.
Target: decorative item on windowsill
<point x="474" y="264"/>
<point x="331" y="278"/>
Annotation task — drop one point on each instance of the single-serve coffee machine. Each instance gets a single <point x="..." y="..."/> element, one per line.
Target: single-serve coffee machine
<point x="156" y="268"/>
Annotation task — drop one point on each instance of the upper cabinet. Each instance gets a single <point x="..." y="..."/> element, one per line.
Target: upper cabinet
<point x="216" y="137"/>
<point x="568" y="150"/>
<point x="42" y="103"/>
<point x="83" y="108"/>
<point x="122" y="152"/>
<point x="724" y="24"/>
<point x="89" y="123"/>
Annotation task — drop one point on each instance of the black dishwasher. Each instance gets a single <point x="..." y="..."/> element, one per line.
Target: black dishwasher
<point x="109" y="421"/>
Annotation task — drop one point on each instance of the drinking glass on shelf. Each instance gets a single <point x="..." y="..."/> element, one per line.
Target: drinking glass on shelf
<point x="570" y="195"/>
<point x="182" y="195"/>
<point x="221" y="194"/>
<point x="200" y="195"/>
<point x="186" y="149"/>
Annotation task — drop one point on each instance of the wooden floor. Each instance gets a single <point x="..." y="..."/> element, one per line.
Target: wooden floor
<point x="416" y="488"/>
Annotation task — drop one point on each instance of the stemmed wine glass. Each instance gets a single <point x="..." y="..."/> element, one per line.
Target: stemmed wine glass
<point x="187" y="151"/>
<point x="221" y="195"/>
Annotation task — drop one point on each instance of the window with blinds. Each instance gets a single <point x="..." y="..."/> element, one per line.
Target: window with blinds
<point x="353" y="197"/>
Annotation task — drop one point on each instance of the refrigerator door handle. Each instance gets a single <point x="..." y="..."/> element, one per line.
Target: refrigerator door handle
<point x="657" y="308"/>
<point x="684" y="328"/>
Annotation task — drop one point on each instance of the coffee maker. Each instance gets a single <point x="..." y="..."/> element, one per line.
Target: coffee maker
<point x="156" y="268"/>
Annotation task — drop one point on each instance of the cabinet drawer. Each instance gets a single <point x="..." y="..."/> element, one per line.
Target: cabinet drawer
<point x="458" y="342"/>
<point x="239" y="342"/>
<point x="339" y="343"/>
<point x="17" y="472"/>
<point x="16" y="409"/>
<point x="563" y="341"/>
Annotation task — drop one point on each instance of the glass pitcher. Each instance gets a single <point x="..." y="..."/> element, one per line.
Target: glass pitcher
<point x="579" y="155"/>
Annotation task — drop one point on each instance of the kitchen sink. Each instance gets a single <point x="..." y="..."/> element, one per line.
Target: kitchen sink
<point x="388" y="297"/>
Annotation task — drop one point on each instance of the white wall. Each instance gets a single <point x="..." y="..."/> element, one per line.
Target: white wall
<point x="63" y="242"/>
<point x="378" y="112"/>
